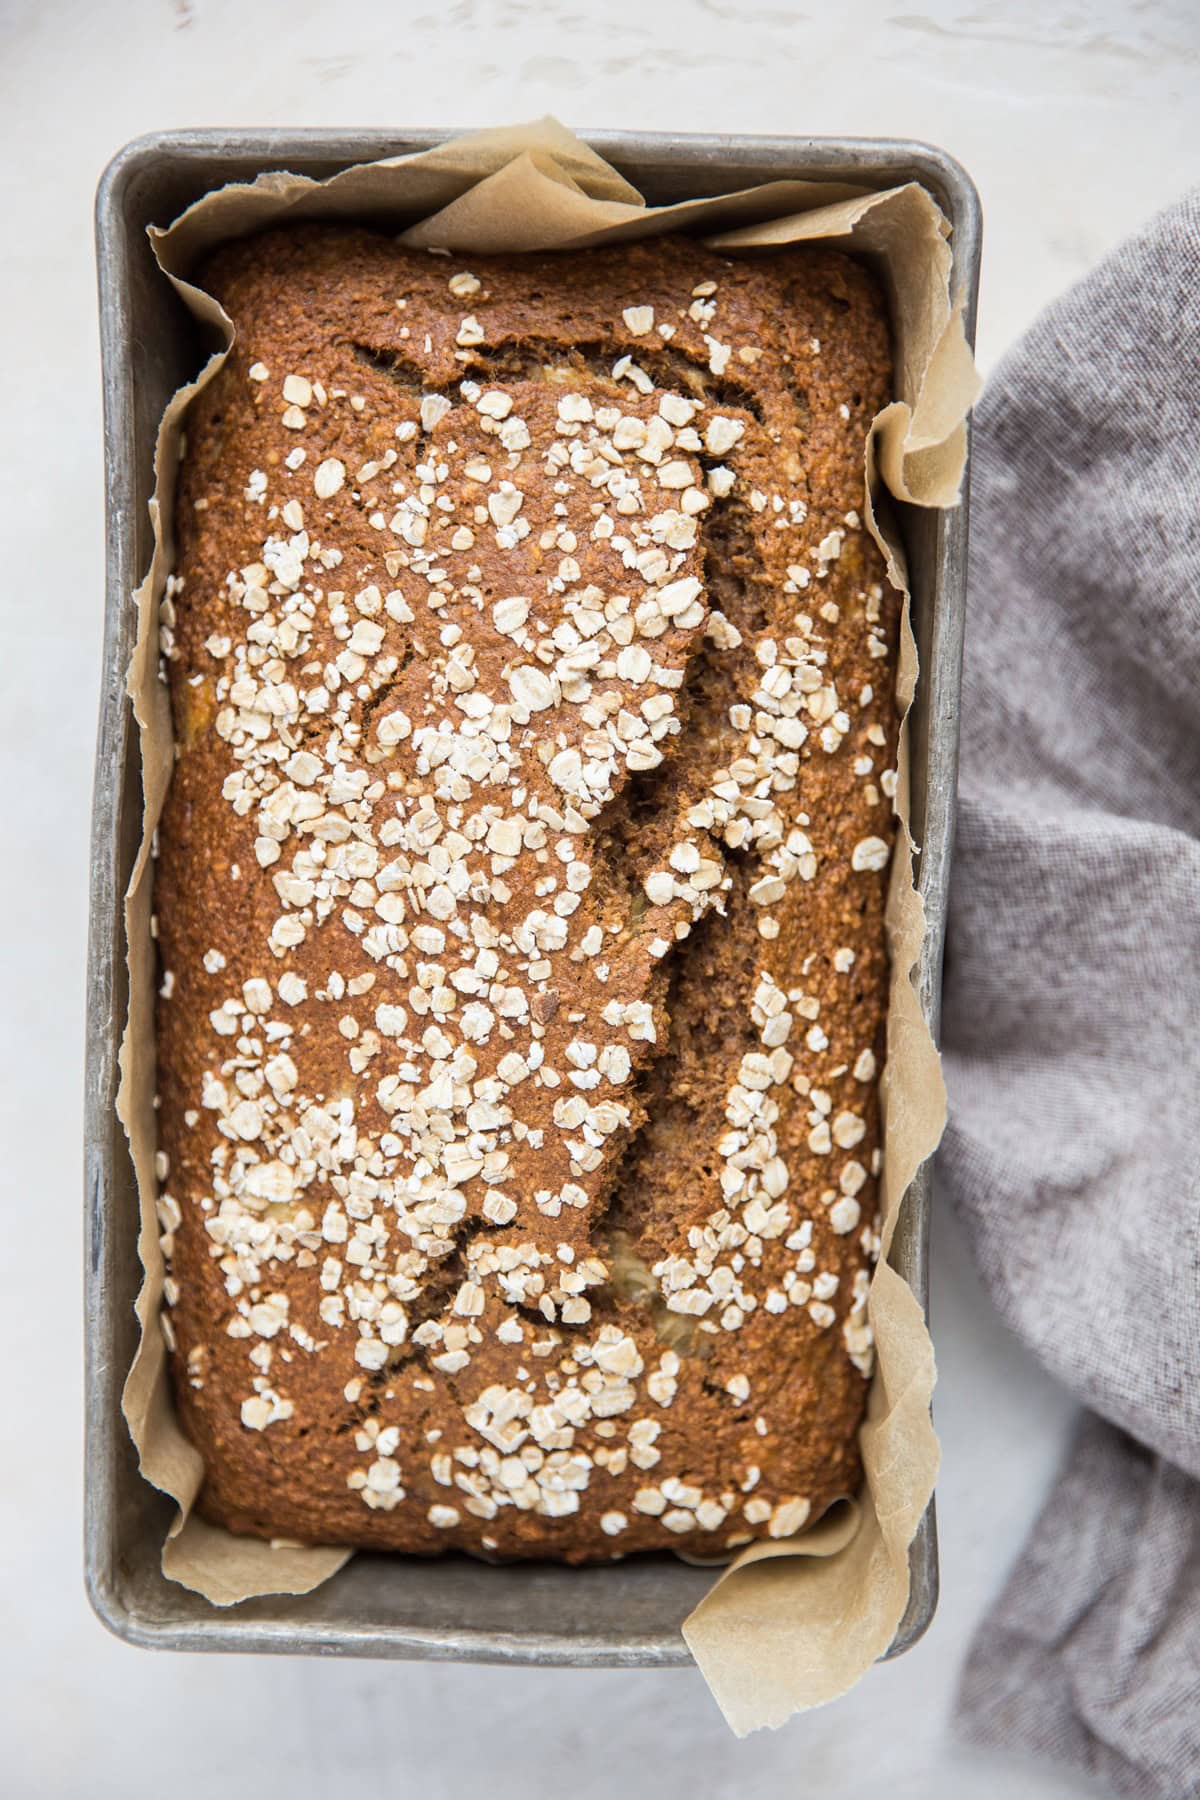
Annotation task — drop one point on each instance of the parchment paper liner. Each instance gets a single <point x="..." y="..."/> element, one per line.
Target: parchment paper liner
<point x="786" y="1625"/>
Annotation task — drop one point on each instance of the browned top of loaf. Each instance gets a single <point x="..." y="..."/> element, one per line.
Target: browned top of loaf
<point x="520" y="895"/>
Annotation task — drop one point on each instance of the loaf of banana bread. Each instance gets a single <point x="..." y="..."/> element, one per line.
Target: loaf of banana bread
<point x="520" y="895"/>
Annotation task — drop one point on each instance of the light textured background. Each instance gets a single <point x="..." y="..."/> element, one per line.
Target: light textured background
<point x="1073" y="116"/>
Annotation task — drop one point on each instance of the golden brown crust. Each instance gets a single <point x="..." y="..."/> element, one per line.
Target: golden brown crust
<point x="520" y="895"/>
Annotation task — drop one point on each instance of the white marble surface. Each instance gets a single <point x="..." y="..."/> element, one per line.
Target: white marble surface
<point x="1073" y="119"/>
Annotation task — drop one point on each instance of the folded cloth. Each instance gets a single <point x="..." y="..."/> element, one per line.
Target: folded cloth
<point x="1091" y="1656"/>
<point x="1072" y="1001"/>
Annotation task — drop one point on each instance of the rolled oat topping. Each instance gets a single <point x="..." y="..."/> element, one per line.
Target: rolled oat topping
<point x="521" y="890"/>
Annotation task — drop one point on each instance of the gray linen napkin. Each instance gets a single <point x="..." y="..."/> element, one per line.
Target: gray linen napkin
<point x="1072" y="1013"/>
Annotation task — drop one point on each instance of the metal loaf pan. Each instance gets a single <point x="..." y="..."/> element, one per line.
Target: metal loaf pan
<point x="449" y="1608"/>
